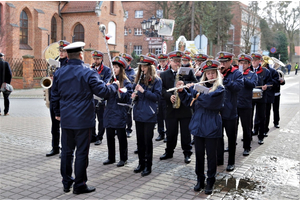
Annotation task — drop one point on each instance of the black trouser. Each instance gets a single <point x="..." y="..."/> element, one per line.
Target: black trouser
<point x="144" y="133"/>
<point x="245" y="115"/>
<point x="260" y="112"/>
<point x="230" y="127"/>
<point x="210" y="145"/>
<point x="172" y="134"/>
<point x="276" y="110"/>
<point x="129" y="121"/>
<point x="99" y="114"/>
<point x="55" y="126"/>
<point x="123" y="146"/>
<point x="6" y="103"/>
<point x="161" y="115"/>
<point x="71" y="139"/>
<point x="267" y="118"/>
<point x="296" y="70"/>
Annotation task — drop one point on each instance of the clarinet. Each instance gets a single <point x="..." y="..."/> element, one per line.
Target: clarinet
<point x="135" y="91"/>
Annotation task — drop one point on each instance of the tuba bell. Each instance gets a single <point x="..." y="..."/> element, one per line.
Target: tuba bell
<point x="281" y="74"/>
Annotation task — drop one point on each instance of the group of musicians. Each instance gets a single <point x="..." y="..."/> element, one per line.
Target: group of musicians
<point x="166" y="90"/>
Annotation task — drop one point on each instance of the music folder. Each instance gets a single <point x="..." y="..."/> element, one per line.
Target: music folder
<point x="184" y="70"/>
<point x="201" y="89"/>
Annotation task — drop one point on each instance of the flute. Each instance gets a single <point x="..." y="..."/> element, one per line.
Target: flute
<point x="185" y="86"/>
<point x="135" y="91"/>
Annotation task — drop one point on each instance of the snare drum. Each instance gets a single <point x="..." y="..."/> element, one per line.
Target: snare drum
<point x="257" y="93"/>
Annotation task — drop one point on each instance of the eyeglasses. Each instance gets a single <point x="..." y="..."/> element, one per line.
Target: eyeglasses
<point x="176" y="61"/>
<point x="61" y="51"/>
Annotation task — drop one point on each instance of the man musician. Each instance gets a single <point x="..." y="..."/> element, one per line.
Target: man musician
<point x="264" y="79"/>
<point x="55" y="124"/>
<point x="105" y="75"/>
<point x="175" y="115"/>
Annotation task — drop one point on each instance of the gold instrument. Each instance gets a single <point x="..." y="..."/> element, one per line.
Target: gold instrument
<point x="46" y="83"/>
<point x="267" y="60"/>
<point x="277" y="65"/>
<point x="176" y="104"/>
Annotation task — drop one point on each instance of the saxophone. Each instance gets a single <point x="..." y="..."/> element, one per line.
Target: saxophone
<point x="176" y="104"/>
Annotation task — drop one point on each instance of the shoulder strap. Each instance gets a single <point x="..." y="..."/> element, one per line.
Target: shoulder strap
<point x="3" y="71"/>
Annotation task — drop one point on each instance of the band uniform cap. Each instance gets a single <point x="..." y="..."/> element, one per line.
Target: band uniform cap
<point x="209" y="64"/>
<point x="97" y="54"/>
<point x="187" y="52"/>
<point x="201" y="57"/>
<point x="162" y="56"/>
<point x="1" y="55"/>
<point x="243" y="57"/>
<point x="152" y="55"/>
<point x="120" y="60"/>
<point x="146" y="60"/>
<point x="75" y="47"/>
<point x="186" y="57"/>
<point x="224" y="56"/>
<point x="63" y="43"/>
<point x="175" y="54"/>
<point x="256" y="55"/>
<point x="127" y="56"/>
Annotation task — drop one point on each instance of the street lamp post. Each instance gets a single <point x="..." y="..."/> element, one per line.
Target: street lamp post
<point x="150" y="27"/>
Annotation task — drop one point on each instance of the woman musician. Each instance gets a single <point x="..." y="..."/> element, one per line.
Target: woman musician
<point x="206" y="122"/>
<point x="148" y="92"/>
<point x="114" y="117"/>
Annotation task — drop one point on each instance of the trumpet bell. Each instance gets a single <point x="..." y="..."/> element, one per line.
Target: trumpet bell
<point x="46" y="82"/>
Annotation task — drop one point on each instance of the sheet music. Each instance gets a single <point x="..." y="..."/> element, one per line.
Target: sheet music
<point x="53" y="62"/>
<point x="241" y="68"/>
<point x="201" y="89"/>
<point x="184" y="70"/>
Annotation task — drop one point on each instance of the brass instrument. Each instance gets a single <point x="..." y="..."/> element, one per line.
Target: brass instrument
<point x="176" y="104"/>
<point x="277" y="65"/>
<point x="267" y="60"/>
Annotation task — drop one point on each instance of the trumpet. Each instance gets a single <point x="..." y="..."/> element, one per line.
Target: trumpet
<point x="185" y="86"/>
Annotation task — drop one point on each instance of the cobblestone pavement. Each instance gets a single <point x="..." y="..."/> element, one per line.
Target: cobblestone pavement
<point x="272" y="171"/>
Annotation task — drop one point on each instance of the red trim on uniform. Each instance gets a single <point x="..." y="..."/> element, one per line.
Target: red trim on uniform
<point x="246" y="71"/>
<point x="99" y="55"/>
<point x="213" y="65"/>
<point x="100" y="69"/>
<point x="230" y="69"/>
<point x="226" y="57"/>
<point x="148" y="61"/>
<point x="260" y="70"/>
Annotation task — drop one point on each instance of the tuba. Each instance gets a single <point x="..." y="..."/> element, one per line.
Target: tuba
<point x="266" y="61"/>
<point x="277" y="65"/>
<point x="176" y="104"/>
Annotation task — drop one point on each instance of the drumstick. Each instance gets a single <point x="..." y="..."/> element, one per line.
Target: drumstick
<point x="263" y="85"/>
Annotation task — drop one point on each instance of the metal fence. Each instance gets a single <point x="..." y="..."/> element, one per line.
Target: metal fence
<point x="40" y="67"/>
<point x="16" y="66"/>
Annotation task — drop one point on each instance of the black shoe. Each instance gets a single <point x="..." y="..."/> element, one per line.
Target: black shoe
<point x="136" y="151"/>
<point x="107" y="162"/>
<point x="220" y="163"/>
<point x="67" y="189"/>
<point x="187" y="159"/>
<point x="139" y="169"/>
<point x="146" y="171"/>
<point x="98" y="142"/>
<point x="255" y="132"/>
<point x="166" y="156"/>
<point x="129" y="134"/>
<point x="209" y="189"/>
<point x="93" y="139"/>
<point x="87" y="189"/>
<point x="121" y="163"/>
<point x="230" y="168"/>
<point x="226" y="149"/>
<point x="199" y="186"/>
<point x="246" y="152"/>
<point x="165" y="140"/>
<point x="160" y="137"/>
<point x="265" y="134"/>
<point x="277" y="126"/>
<point x="52" y="152"/>
<point x="260" y="142"/>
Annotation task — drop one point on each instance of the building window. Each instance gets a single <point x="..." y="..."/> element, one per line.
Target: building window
<point x="125" y="31"/>
<point x="53" y="30"/>
<point x="138" y="14"/>
<point x="159" y="13"/>
<point x="23" y="28"/>
<point x="138" y="31"/>
<point x="78" y="35"/>
<point x="126" y="14"/>
<point x="112" y="31"/>
<point x="138" y="50"/>
<point x="157" y="51"/>
<point x="112" y="7"/>
<point x="245" y="16"/>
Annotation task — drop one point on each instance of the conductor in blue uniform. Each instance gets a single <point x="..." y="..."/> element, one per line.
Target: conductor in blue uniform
<point x="72" y="98"/>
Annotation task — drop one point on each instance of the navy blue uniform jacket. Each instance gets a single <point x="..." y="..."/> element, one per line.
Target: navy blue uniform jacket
<point x="146" y="107"/>
<point x="72" y="94"/>
<point x="130" y="73"/>
<point x="275" y="82"/>
<point x="245" y="95"/>
<point x="114" y="114"/>
<point x="206" y="121"/>
<point x="233" y="83"/>
<point x="7" y="76"/>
